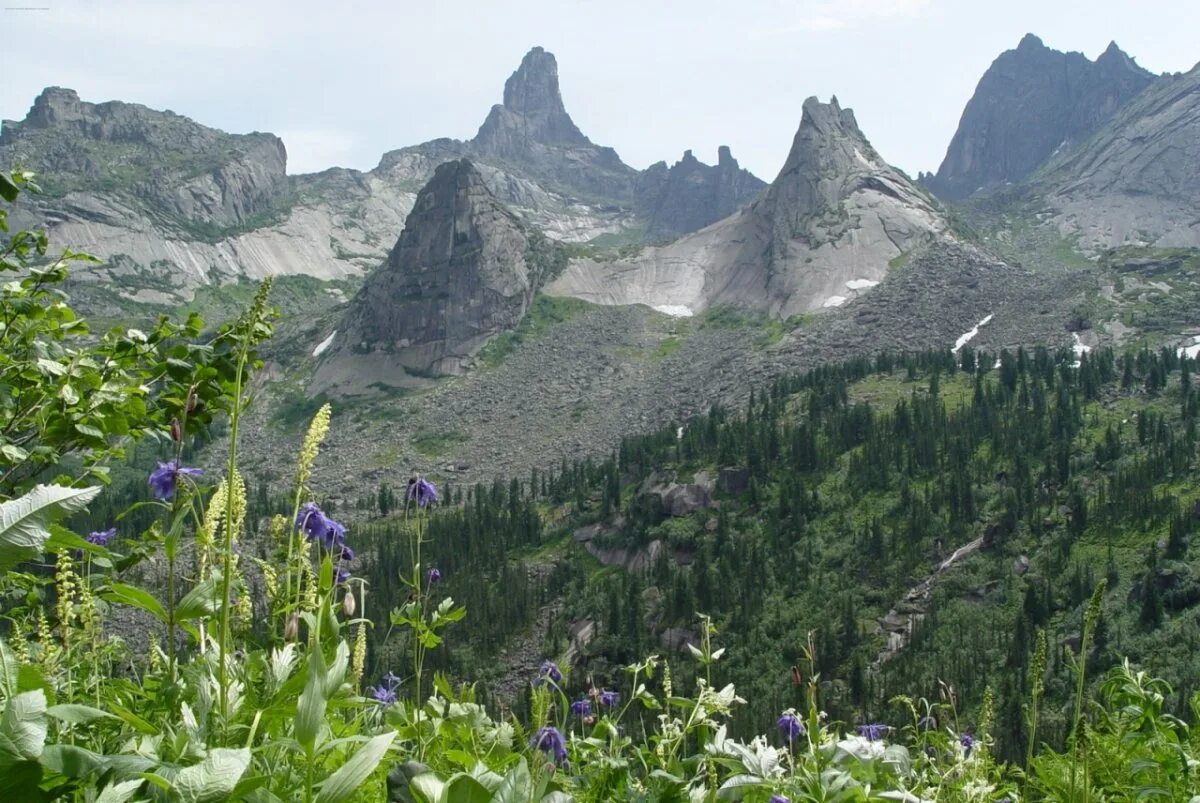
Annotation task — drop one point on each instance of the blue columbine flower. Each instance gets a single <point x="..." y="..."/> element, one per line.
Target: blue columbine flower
<point x="392" y="680"/>
<point x="421" y="491"/>
<point x="432" y="576"/>
<point x="608" y="699"/>
<point x="340" y="576"/>
<point x="550" y="742"/>
<point x="347" y="553"/>
<point x="582" y="708"/>
<point x="790" y="726"/>
<point x="164" y="478"/>
<point x="779" y="799"/>
<point x="548" y="671"/>
<point x="383" y="695"/>
<point x="312" y="522"/>
<point x="968" y="744"/>
<point x="335" y="536"/>
<point x="101" y="537"/>
<point x="873" y="732"/>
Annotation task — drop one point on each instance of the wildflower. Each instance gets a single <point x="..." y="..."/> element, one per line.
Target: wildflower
<point x="581" y="708"/>
<point x="291" y="630"/>
<point x="608" y="699"/>
<point x="312" y="522"/>
<point x="790" y="725"/>
<point x="968" y="744"/>
<point x="432" y="576"/>
<point x="392" y="680"/>
<point x="164" y="478"/>
<point x="335" y="535"/>
<point x="382" y="695"/>
<point x="421" y="491"/>
<point x="550" y="742"/>
<point x="101" y="537"/>
<point x="873" y="732"/>
<point x="349" y="604"/>
<point x="347" y="553"/>
<point x="779" y="799"/>
<point x="548" y="671"/>
<point x="341" y="576"/>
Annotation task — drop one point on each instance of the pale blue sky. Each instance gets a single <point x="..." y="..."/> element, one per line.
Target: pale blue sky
<point x="342" y="82"/>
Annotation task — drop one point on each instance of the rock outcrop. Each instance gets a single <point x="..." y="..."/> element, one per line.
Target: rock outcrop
<point x="463" y="270"/>
<point x="690" y="194"/>
<point x="829" y="224"/>
<point x="1032" y="102"/>
<point x="1136" y="181"/>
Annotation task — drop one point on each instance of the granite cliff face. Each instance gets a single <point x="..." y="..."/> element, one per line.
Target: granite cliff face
<point x="1137" y="180"/>
<point x="822" y="232"/>
<point x="1031" y="103"/>
<point x="690" y="194"/>
<point x="464" y="270"/>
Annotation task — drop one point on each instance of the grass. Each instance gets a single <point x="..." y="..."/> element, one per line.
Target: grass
<point x="438" y="444"/>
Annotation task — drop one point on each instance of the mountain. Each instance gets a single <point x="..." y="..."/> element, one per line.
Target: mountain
<point x="690" y="194"/>
<point x="1032" y="102"/>
<point x="824" y="230"/>
<point x="173" y="205"/>
<point x="1136" y="181"/>
<point x="464" y="269"/>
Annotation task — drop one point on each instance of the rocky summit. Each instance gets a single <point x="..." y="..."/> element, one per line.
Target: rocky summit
<point x="690" y="194"/>
<point x="1032" y="102"/>
<point x="464" y="270"/>
<point x="823" y="232"/>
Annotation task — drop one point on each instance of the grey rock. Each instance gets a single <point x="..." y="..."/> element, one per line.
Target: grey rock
<point x="683" y="500"/>
<point x="690" y="194"/>
<point x="1032" y="102"/>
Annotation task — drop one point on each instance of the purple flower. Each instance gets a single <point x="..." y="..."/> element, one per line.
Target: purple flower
<point x="790" y="726"/>
<point x="382" y="695"/>
<point x="421" y="491"/>
<point x="778" y="799"/>
<point x="340" y="576"/>
<point x="582" y="708"/>
<point x="347" y="553"/>
<point x="873" y="732"/>
<point x="163" y="479"/>
<point x="432" y="576"/>
<point x="335" y="536"/>
<point x="608" y="699"/>
<point x="548" y="671"/>
<point x="312" y="522"/>
<point x="550" y="742"/>
<point x="101" y="537"/>
<point x="968" y="744"/>
<point x="391" y="680"/>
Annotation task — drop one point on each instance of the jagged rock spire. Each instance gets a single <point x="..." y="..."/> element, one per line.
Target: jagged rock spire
<point x="533" y="108"/>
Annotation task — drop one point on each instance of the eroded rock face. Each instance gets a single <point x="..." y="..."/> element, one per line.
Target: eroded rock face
<point x="1137" y="179"/>
<point x="1032" y="102"/>
<point x="837" y="213"/>
<point x="690" y="194"/>
<point x="462" y="271"/>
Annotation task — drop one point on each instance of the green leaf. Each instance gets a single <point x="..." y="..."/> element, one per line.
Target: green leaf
<point x="23" y="729"/>
<point x="202" y="600"/>
<point x="310" y="709"/>
<point x="119" y="792"/>
<point x="78" y="714"/>
<point x="13" y="453"/>
<point x="214" y="778"/>
<point x="24" y="522"/>
<point x="428" y="787"/>
<point x="68" y="395"/>
<point x="515" y="787"/>
<point x="465" y="789"/>
<point x="72" y="761"/>
<point x="342" y="784"/>
<point x="8" y="190"/>
<point x="136" y="597"/>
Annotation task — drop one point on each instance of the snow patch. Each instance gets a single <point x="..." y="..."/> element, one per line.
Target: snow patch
<point x="834" y="301"/>
<point x="861" y="284"/>
<point x="674" y="310"/>
<point x="969" y="335"/>
<point x="1192" y="351"/>
<point x="324" y="344"/>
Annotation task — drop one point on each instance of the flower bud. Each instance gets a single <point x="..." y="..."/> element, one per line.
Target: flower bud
<point x="348" y="604"/>
<point x="176" y="430"/>
<point x="291" y="630"/>
<point x="191" y="400"/>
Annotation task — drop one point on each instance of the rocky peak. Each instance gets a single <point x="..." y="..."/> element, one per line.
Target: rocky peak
<point x="690" y="194"/>
<point x="463" y="270"/>
<point x="1032" y="101"/>
<point x="533" y="106"/>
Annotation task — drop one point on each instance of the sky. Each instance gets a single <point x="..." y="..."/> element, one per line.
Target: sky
<point x="344" y="82"/>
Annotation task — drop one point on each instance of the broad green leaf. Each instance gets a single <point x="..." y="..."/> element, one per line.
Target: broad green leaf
<point x="78" y="714"/>
<point x="72" y="761"/>
<point x="8" y="190"/>
<point x="310" y="709"/>
<point x="465" y="789"/>
<point x="428" y="787"/>
<point x="119" y="792"/>
<point x="214" y="778"/>
<point x="24" y="522"/>
<point x="203" y="600"/>
<point x="136" y="597"/>
<point x="342" y="785"/>
<point x="515" y="787"/>
<point x="23" y="728"/>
